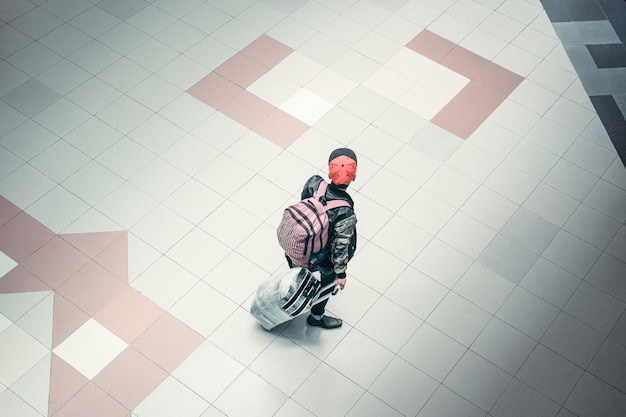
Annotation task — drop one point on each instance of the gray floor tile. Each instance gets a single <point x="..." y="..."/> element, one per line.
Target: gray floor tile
<point x="404" y="387"/>
<point x="530" y="230"/>
<point x="550" y="282"/>
<point x="610" y="364"/>
<point x="31" y="97"/>
<point x="446" y="402"/>
<point x="594" y="398"/>
<point x="504" y="346"/>
<point x="550" y="373"/>
<point x="478" y="380"/>
<point x="520" y="400"/>
<point x="573" y="339"/>
<point x="594" y="307"/>
<point x="459" y="318"/>
<point x="483" y="287"/>
<point x="508" y="258"/>
<point x="527" y="313"/>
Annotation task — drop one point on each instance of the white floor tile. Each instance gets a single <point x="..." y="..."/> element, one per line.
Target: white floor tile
<point x="494" y="288"/>
<point x="62" y="117"/>
<point x="90" y="349"/>
<point x="24" y="352"/>
<point x="355" y="349"/>
<point x="415" y="291"/>
<point x="94" y="95"/>
<point x="60" y="161"/>
<point x="171" y="397"/>
<point x="325" y="380"/>
<point x="165" y="282"/>
<point x="28" y="139"/>
<point x="16" y="405"/>
<point x="296" y="365"/>
<point x="466" y="234"/>
<point x="374" y="325"/>
<point x="404" y="387"/>
<point x="25" y="185"/>
<point x="236" y="277"/>
<point x="511" y="183"/>
<point x="380" y="275"/>
<point x="126" y="157"/>
<point x="459" y="318"/>
<point x="432" y="351"/>
<point x="168" y="180"/>
<point x="197" y="371"/>
<point x="58" y="209"/>
<point x="472" y="162"/>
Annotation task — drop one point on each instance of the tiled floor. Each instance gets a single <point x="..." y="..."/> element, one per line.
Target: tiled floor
<point x="147" y="149"/>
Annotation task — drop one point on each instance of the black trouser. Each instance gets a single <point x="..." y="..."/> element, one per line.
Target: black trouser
<point x="328" y="277"/>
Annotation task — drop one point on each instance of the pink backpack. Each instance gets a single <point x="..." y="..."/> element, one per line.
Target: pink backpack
<point x="303" y="229"/>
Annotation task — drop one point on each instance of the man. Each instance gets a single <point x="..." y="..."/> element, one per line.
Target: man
<point x="332" y="262"/>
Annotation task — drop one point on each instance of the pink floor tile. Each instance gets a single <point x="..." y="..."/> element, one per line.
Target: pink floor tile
<point x="464" y="62"/>
<point x="130" y="377"/>
<point x="267" y="51"/>
<point x="55" y="262"/>
<point x="459" y="120"/>
<point x="490" y="84"/>
<point x="67" y="318"/>
<point x="21" y="236"/>
<point x="499" y="79"/>
<point x="129" y="315"/>
<point x="215" y="90"/>
<point x="91" y="244"/>
<point x="92" y="401"/>
<point x="65" y="382"/>
<point x="8" y="210"/>
<point x="241" y="70"/>
<point x="168" y="342"/>
<point x="478" y="96"/>
<point x="247" y="109"/>
<point x="431" y="45"/>
<point x="115" y="257"/>
<point x="281" y="128"/>
<point x="91" y="288"/>
<point x="20" y="279"/>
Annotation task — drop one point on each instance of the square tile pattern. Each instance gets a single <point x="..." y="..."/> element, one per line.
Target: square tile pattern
<point x="147" y="150"/>
<point x="447" y="84"/>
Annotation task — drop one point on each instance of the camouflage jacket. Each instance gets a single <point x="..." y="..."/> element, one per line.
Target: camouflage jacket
<point x="342" y="232"/>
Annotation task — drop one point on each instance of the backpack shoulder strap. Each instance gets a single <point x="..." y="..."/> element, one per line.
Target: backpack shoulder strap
<point x="321" y="190"/>
<point x="331" y="204"/>
<point x="336" y="203"/>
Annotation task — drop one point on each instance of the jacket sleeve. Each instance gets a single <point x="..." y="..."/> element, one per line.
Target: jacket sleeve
<point x="339" y="248"/>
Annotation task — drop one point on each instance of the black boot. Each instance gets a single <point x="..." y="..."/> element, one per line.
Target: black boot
<point x="326" y="322"/>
